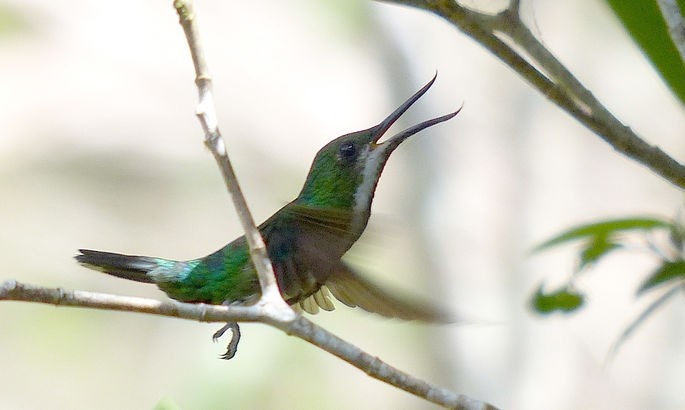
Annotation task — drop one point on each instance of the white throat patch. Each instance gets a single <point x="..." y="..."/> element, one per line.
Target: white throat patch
<point x="372" y="162"/>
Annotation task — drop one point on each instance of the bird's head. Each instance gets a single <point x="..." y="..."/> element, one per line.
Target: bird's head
<point x="345" y="171"/>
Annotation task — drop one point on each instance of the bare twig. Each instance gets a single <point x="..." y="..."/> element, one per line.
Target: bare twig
<point x="378" y="369"/>
<point x="301" y="327"/>
<point x="673" y="17"/>
<point x="13" y="290"/>
<point x="271" y="297"/>
<point x="555" y="81"/>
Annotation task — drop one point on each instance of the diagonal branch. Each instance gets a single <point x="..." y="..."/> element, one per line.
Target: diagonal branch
<point x="271" y="297"/>
<point x="301" y="327"/>
<point x="553" y="79"/>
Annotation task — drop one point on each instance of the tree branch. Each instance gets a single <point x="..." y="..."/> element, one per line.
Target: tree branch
<point x="300" y="327"/>
<point x="553" y="79"/>
<point x="271" y="297"/>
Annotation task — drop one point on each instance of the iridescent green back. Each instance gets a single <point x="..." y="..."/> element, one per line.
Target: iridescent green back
<point x="225" y="275"/>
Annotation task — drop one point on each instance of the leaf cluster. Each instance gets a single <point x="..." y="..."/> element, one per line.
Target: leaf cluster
<point x="600" y="239"/>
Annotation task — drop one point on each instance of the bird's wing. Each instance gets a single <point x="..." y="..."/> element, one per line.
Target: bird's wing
<point x="354" y="290"/>
<point x="333" y="221"/>
<point x="312" y="304"/>
<point x="320" y="243"/>
<point x="303" y="243"/>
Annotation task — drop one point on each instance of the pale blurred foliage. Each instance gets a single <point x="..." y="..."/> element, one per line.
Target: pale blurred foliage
<point x="99" y="148"/>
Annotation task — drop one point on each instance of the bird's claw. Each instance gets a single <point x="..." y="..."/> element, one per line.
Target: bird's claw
<point x="232" y="347"/>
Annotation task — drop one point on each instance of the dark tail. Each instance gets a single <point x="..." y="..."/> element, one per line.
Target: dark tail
<point x="123" y="266"/>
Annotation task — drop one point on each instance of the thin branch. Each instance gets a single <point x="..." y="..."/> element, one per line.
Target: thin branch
<point x="301" y="327"/>
<point x="553" y="79"/>
<point x="676" y="24"/>
<point x="592" y="113"/>
<point x="13" y="290"/>
<point x="271" y="297"/>
<point x="376" y="368"/>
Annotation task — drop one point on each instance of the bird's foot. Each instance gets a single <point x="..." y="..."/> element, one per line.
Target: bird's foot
<point x="235" y="338"/>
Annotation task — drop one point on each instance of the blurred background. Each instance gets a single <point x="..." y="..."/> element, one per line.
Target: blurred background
<point x="100" y="148"/>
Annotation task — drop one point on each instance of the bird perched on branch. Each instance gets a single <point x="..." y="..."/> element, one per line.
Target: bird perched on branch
<point x="305" y="239"/>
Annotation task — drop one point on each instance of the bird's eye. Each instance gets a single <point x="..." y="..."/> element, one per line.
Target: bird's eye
<point x="347" y="151"/>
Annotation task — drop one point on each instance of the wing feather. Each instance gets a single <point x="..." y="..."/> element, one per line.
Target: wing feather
<point x="353" y="290"/>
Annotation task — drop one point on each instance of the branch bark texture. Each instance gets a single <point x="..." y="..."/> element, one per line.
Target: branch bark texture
<point x="206" y="112"/>
<point x="553" y="79"/>
<point x="301" y="327"/>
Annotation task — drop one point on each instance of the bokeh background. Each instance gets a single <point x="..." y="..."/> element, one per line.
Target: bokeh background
<point x="99" y="148"/>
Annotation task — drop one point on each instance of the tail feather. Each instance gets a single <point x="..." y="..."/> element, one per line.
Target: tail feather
<point x="123" y="266"/>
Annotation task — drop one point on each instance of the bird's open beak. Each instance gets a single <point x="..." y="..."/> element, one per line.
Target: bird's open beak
<point x="393" y="142"/>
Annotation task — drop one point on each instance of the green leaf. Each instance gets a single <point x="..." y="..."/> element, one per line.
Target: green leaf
<point x="667" y="272"/>
<point x="646" y="25"/>
<point x="604" y="228"/>
<point x="564" y="300"/>
<point x="599" y="246"/>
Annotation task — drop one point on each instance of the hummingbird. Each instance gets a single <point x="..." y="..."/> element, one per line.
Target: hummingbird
<point x="305" y="239"/>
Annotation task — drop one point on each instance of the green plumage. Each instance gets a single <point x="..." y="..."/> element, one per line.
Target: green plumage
<point x="305" y="240"/>
<point x="225" y="275"/>
<point x="331" y="183"/>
